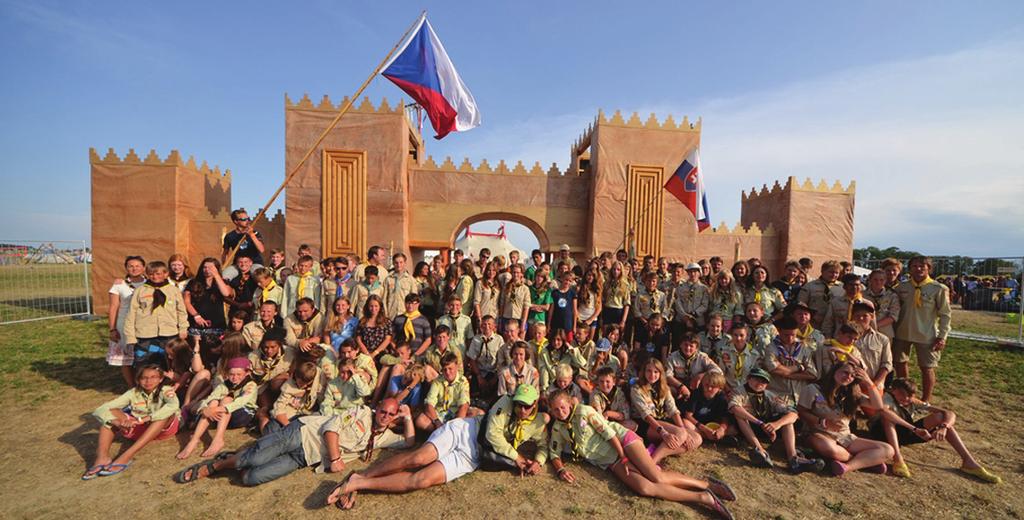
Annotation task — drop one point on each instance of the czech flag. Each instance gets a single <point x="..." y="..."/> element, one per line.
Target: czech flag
<point x="423" y="70"/>
<point x="687" y="184"/>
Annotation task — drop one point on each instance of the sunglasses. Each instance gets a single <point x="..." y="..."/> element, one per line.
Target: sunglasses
<point x="246" y="219"/>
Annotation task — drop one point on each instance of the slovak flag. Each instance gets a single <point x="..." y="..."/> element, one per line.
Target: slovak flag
<point x="687" y="184"/>
<point x="423" y="70"/>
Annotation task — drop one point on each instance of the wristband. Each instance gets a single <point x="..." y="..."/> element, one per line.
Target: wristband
<point x="562" y="469"/>
<point x="759" y="422"/>
<point x="822" y="424"/>
<point x="336" y="459"/>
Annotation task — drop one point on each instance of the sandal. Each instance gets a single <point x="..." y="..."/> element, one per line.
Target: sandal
<point x="224" y="455"/>
<point x="114" y="469"/>
<point x="838" y="468"/>
<point x="724" y="491"/>
<point x="191" y="473"/>
<point x="719" y="507"/>
<point x="93" y="471"/>
<point x="335" y="489"/>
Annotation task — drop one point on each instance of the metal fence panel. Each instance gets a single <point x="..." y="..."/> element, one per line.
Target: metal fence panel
<point x="987" y="288"/>
<point x="43" y="279"/>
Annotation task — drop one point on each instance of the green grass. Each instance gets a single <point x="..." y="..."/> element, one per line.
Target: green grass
<point x="41" y="290"/>
<point x="966" y="365"/>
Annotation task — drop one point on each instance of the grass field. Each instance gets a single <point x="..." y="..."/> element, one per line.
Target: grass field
<point x="52" y="374"/>
<point x="41" y="290"/>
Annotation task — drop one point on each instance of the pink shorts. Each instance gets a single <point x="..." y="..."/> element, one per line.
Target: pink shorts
<point x="136" y="431"/>
<point x="629" y="438"/>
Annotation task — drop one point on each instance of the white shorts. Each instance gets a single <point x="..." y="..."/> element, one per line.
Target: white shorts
<point x="457" y="447"/>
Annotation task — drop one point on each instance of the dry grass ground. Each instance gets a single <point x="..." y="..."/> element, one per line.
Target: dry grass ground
<point x="52" y="375"/>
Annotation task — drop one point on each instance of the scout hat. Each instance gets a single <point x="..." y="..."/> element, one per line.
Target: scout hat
<point x="761" y="373"/>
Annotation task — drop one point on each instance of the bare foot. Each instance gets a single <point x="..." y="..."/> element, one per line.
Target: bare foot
<point x="215" y="446"/>
<point x="186" y="452"/>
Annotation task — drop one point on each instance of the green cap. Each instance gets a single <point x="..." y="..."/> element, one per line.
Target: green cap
<point x="525" y="394"/>
<point x="760" y="372"/>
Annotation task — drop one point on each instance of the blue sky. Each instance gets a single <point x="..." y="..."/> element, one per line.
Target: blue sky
<point x="920" y="102"/>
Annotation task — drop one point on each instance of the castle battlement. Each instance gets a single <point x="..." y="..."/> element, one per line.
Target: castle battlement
<point x="325" y="104"/>
<point x="793" y="185"/>
<point x="739" y="230"/>
<point x="484" y="167"/>
<point x="213" y="176"/>
<point x="651" y="122"/>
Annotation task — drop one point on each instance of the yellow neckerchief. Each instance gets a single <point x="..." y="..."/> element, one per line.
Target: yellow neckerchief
<point x="757" y="294"/>
<point x="849" y="307"/>
<point x="845" y="351"/>
<point x="521" y="424"/>
<point x="408" y="329"/>
<point x="446" y="393"/>
<point x="541" y="343"/>
<point x="917" y="289"/>
<point x="806" y="333"/>
<point x="741" y="357"/>
<point x="270" y="287"/>
<point x="302" y="283"/>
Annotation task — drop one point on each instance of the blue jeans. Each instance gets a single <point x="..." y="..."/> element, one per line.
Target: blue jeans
<point x="273" y="456"/>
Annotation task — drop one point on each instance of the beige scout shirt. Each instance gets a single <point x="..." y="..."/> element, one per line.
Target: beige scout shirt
<point x="145" y="321"/>
<point x="925" y="323"/>
<point x="797" y="356"/>
<point x="645" y="403"/>
<point x="354" y="428"/>
<point x="818" y="296"/>
<point x="875" y="352"/>
<point x="647" y="303"/>
<point x="690" y="299"/>
<point x="298" y="401"/>
<point x="460" y="330"/>
<point x="396" y="287"/>
<point x="254" y="331"/>
<point x="887" y="305"/>
<point x="305" y="329"/>
<point x="487" y="298"/>
<point x="686" y="369"/>
<point x="516" y="299"/>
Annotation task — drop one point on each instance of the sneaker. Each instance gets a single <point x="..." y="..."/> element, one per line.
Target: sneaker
<point x="800" y="464"/>
<point x="880" y="469"/>
<point x="838" y="468"/>
<point x="979" y="472"/>
<point x="761" y="459"/>
<point x="901" y="470"/>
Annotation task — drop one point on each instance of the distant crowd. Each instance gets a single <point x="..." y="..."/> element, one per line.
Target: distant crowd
<point x="506" y="365"/>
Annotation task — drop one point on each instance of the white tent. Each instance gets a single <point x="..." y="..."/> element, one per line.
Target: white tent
<point x="48" y="254"/>
<point x="471" y="243"/>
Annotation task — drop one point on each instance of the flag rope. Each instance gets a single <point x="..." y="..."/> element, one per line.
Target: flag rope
<point x="323" y="135"/>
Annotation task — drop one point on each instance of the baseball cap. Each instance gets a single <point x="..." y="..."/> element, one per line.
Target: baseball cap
<point x="760" y="372"/>
<point x="525" y="394"/>
<point x="564" y="247"/>
<point x="692" y="266"/>
<point x="604" y="345"/>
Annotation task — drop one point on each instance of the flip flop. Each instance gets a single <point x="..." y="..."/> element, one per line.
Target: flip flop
<point x="725" y="491"/>
<point x="341" y="484"/>
<point x="93" y="471"/>
<point x="838" y="468"/>
<point x="114" y="469"/>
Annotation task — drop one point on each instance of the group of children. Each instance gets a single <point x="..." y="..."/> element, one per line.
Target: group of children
<point x="619" y="361"/>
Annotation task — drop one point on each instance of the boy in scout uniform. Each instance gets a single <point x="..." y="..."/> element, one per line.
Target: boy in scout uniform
<point x="840" y="309"/>
<point x="923" y="325"/>
<point x="448" y="397"/>
<point x="817" y="294"/>
<point x="689" y="304"/>
<point x="886" y="302"/>
<point x="649" y="300"/>
<point x="397" y="286"/>
<point x="874" y="347"/>
<point x="789" y="362"/>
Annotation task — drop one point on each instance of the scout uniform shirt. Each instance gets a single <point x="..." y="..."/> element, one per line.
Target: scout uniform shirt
<point x="244" y="396"/>
<point x="645" y="403"/>
<point x="342" y="395"/>
<point x="812" y="399"/>
<point x="295" y="401"/>
<point x="887" y="305"/>
<point x="684" y="369"/>
<point x="516" y="298"/>
<point x="254" y="331"/>
<point x="762" y="334"/>
<point x="355" y="431"/>
<point x="913" y="412"/>
<point x="447" y="398"/>
<point x="487" y="298"/>
<point x="766" y="407"/>
<point x="305" y="329"/>
<point x="159" y="405"/>
<point x="838" y="312"/>
<point x="586" y="435"/>
<point x="795" y="356"/>
<point x="509" y="378"/>
<point x="615" y="402"/>
<point x="365" y="363"/>
<point x="690" y="299"/>
<point x="770" y="298"/>
<point x="506" y="432"/>
<point x="712" y="346"/>
<point x="396" y="287"/>
<point x="875" y="352"/>
<point x="726" y="304"/>
<point x="826" y="357"/>
<point x="361" y="292"/>
<point x="310" y="285"/>
<point x="433" y="355"/>
<point x="145" y="320"/>
<point x="550" y="358"/>
<point x="485" y="351"/>
<point x="647" y="303"/>
<point x="818" y="297"/>
<point x="264" y="368"/>
<point x="464" y="290"/>
<point x="616" y="295"/>
<point x="736" y="365"/>
<point x="272" y="293"/>
<point x="810" y="337"/>
<point x="921" y="319"/>
<point x="460" y="330"/>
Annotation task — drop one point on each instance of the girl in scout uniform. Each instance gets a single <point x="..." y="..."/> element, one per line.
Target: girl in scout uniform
<point x="271" y="365"/>
<point x="615" y="297"/>
<point x="557" y="352"/>
<point x="519" y="371"/>
<point x="232" y="404"/>
<point x="826" y="408"/>
<point x="737" y="358"/>
<point x="726" y="299"/>
<point x="759" y="291"/>
<point x="515" y="302"/>
<point x="713" y="339"/>
<point x="147" y="412"/>
<point x="659" y="421"/>
<point x="581" y="431"/>
<point x="762" y="329"/>
<point x="349" y="389"/>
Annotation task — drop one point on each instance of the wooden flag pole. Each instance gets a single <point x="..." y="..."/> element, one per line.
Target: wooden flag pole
<point x="323" y="135"/>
